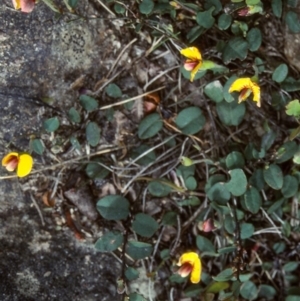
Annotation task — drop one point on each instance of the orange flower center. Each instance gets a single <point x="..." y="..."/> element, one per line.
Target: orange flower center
<point x="185" y="269"/>
<point x="189" y="65"/>
<point x="12" y="163"/>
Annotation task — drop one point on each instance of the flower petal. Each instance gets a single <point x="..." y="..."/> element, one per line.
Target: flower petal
<point x="27" y="5"/>
<point x="17" y="4"/>
<point x="195" y="70"/>
<point x="185" y="270"/>
<point x="189" y="257"/>
<point x="240" y="84"/>
<point x="25" y="165"/>
<point x="192" y="53"/>
<point x="9" y="157"/>
<point x="256" y="93"/>
<point x="244" y="94"/>
<point x="196" y="272"/>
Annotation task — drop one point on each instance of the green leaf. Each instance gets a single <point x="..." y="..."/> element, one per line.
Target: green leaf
<point x="109" y="242"/>
<point x="291" y="19"/>
<point x="95" y="170"/>
<point x="238" y="182"/>
<point x="191" y="183"/>
<point x="191" y="36"/>
<point x="52" y="5"/>
<point x="146" y="7"/>
<point x="290" y="186"/>
<point x="275" y="206"/>
<point x="138" y="250"/>
<point x="112" y="90"/>
<point x="119" y="9"/>
<point x="187" y="74"/>
<point x="249" y="290"/>
<point x="131" y="274"/>
<point x="88" y="103"/>
<point x="113" y="207"/>
<point x="293" y="108"/>
<point x="268" y="139"/>
<point x="51" y="125"/>
<point x="253" y="200"/>
<point x="273" y="176"/>
<point x="286" y="151"/>
<point x="73" y="3"/>
<point x="204" y="244"/>
<point x="146" y="159"/>
<point x="229" y="224"/>
<point x="291" y="266"/>
<point x="219" y="193"/>
<point x="290" y="85"/>
<point x="247" y="230"/>
<point x="235" y="160"/>
<point x="150" y="126"/>
<point x="136" y="297"/>
<point x="260" y="64"/>
<point x="231" y="113"/>
<point x="254" y="39"/>
<point x="224" y="21"/>
<point x="257" y="179"/>
<point x="170" y="219"/>
<point x="236" y="48"/>
<point x="225" y="275"/>
<point x="190" y="120"/>
<point x="144" y="225"/>
<point x="216" y="287"/>
<point x="252" y="2"/>
<point x="266" y="291"/>
<point x="158" y="188"/>
<point x="37" y="146"/>
<point x="228" y="96"/>
<point x="214" y="91"/>
<point x="277" y="8"/>
<point x="92" y="133"/>
<point x="74" y="116"/>
<point x="205" y="18"/>
<point x="215" y="4"/>
<point x="75" y="143"/>
<point x="280" y="73"/>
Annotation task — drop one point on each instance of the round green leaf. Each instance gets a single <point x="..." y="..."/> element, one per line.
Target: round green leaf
<point x="291" y="19"/>
<point x="257" y="179"/>
<point x="254" y="38"/>
<point x="275" y="206"/>
<point x="146" y="159"/>
<point x="150" y="126"/>
<point x="51" y="125"/>
<point x="219" y="193"/>
<point x="231" y="113"/>
<point x="112" y="90"/>
<point x="170" y="219"/>
<point x="204" y="244"/>
<point x="249" y="290"/>
<point x="290" y="186"/>
<point x="131" y="274"/>
<point x="92" y="133"/>
<point x="293" y="108"/>
<point x="229" y="224"/>
<point x="113" y="207"/>
<point x="266" y="291"/>
<point x="236" y="48"/>
<point x="224" y="21"/>
<point x="119" y="9"/>
<point x="216" y="287"/>
<point x="225" y="275"/>
<point x="88" y="103"/>
<point x="95" y="170"/>
<point x="205" y="18"/>
<point x="109" y="242"/>
<point x="190" y="120"/>
<point x="253" y="200"/>
<point x="238" y="182"/>
<point x="291" y="266"/>
<point x="286" y="151"/>
<point x="37" y="146"/>
<point x="235" y="160"/>
<point x="138" y="250"/>
<point x="247" y="230"/>
<point x="75" y="143"/>
<point x="280" y="73"/>
<point x="214" y="91"/>
<point x="136" y="297"/>
<point x="273" y="176"/>
<point x="215" y="4"/>
<point x="146" y="7"/>
<point x="228" y="96"/>
<point x="159" y="189"/>
<point x="144" y="225"/>
<point x="268" y="139"/>
<point x="191" y="183"/>
<point x="74" y="116"/>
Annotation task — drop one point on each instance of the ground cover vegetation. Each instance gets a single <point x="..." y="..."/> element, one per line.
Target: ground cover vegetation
<point x="200" y="170"/>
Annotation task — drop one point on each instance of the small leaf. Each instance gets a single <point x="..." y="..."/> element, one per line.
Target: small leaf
<point x="150" y="126"/>
<point x="249" y="290"/>
<point x="136" y="297"/>
<point x="253" y="200"/>
<point x="224" y="21"/>
<point x="74" y="116"/>
<point x="131" y="274"/>
<point x="148" y="158"/>
<point x="254" y="39"/>
<point x="286" y="151"/>
<point x="238" y="182"/>
<point x="215" y="4"/>
<point x="273" y="176"/>
<point x="169" y="219"/>
<point x="225" y="275"/>
<point x="216" y="287"/>
<point x="159" y="189"/>
<point x="109" y="242"/>
<point x="257" y="179"/>
<point x="92" y="133"/>
<point x="219" y="193"/>
<point x="235" y="160"/>
<point x="204" y="244"/>
<point x="190" y="120"/>
<point x="275" y="206"/>
<point x="51" y="124"/>
<point x="293" y="108"/>
<point x="280" y="73"/>
<point x="138" y="250"/>
<point x="291" y="266"/>
<point x="73" y="3"/>
<point x="37" y="146"/>
<point x="205" y="18"/>
<point x="277" y="8"/>
<point x="247" y="230"/>
<point x="112" y="90"/>
<point x="290" y="186"/>
<point x="146" y="7"/>
<point x="236" y="48"/>
<point x="88" y="103"/>
<point x="113" y="207"/>
<point x="291" y="19"/>
<point x="52" y="5"/>
<point x="144" y="225"/>
<point x="268" y="139"/>
<point x="214" y="91"/>
<point x="95" y="170"/>
<point x="228" y="96"/>
<point x="266" y="291"/>
<point x="231" y="113"/>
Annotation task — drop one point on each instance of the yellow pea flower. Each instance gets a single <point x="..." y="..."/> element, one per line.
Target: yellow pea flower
<point x="22" y="162"/>
<point x="190" y="263"/>
<point x="246" y="86"/>
<point x="194" y="60"/>
<point x="26" y="6"/>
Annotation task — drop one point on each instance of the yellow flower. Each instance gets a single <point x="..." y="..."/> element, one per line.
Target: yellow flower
<point x="246" y="86"/>
<point x="194" y="61"/>
<point x="23" y="163"/>
<point x="190" y="263"/>
<point x="26" y="6"/>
